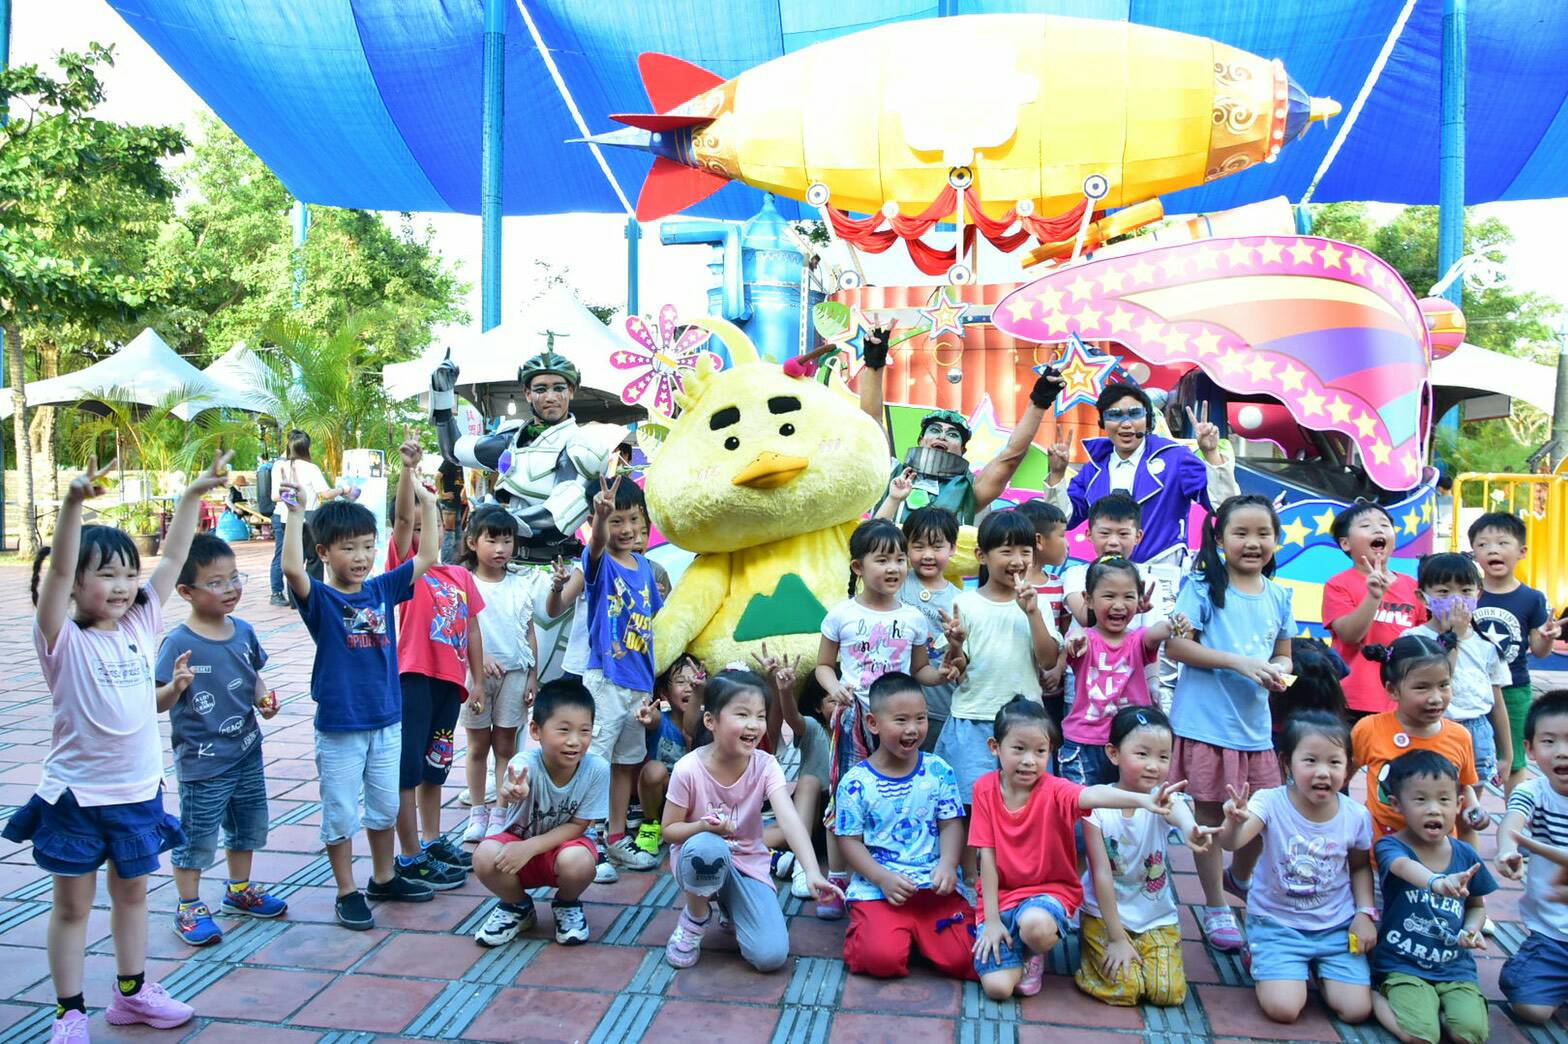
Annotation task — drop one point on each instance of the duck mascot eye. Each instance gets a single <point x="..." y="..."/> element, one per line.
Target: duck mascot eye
<point x="764" y="476"/>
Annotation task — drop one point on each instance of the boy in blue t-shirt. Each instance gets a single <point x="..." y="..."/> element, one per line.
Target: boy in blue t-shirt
<point x="621" y="596"/>
<point x="354" y="681"/>
<point x="1432" y="886"/>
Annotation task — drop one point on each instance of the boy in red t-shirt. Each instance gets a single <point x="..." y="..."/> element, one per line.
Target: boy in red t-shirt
<point x="1368" y="604"/>
<point x="439" y="648"/>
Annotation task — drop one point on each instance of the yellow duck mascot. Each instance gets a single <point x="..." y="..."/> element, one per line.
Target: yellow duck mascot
<point x="765" y="477"/>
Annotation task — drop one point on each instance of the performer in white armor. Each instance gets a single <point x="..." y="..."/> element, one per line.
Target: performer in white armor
<point x="547" y="468"/>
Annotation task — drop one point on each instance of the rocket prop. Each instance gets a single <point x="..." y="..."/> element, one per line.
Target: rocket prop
<point x="1326" y="328"/>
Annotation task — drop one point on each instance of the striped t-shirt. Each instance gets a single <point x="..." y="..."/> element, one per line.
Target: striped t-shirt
<point x="1546" y="819"/>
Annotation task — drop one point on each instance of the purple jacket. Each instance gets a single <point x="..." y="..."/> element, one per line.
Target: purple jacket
<point x="1169" y="479"/>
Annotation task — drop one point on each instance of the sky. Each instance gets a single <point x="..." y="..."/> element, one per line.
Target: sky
<point x="590" y="249"/>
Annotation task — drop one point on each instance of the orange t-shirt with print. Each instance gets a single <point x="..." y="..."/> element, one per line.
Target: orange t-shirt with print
<point x="1379" y="738"/>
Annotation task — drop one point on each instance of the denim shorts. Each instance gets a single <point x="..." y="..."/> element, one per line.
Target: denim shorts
<point x="1085" y="764"/>
<point x="70" y="840"/>
<point x="1537" y="973"/>
<point x="1013" y="949"/>
<point x="965" y="745"/>
<point x="1285" y="953"/>
<point x="354" y="767"/>
<point x="1483" y="738"/>
<point x="235" y="801"/>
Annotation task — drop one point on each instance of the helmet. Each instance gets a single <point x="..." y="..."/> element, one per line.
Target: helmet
<point x="548" y="362"/>
<point x="957" y="420"/>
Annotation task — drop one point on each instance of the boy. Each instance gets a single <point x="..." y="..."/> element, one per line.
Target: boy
<point x="1508" y="612"/>
<point x="932" y="535"/>
<point x="1114" y="529"/>
<point x="900" y="826"/>
<point x="554" y="790"/>
<point x="1367" y="604"/>
<point x="1432" y="886"/>
<point x="210" y="683"/>
<point x="439" y="649"/>
<point x="1046" y="565"/>
<point x="1535" y="979"/>
<point x="354" y="681"/>
<point x="621" y="597"/>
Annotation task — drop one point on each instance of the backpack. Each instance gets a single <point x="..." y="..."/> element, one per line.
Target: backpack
<point x="264" y="502"/>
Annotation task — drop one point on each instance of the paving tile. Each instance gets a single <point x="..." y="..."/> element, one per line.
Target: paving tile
<point x="97" y="979"/>
<point x="629" y="889"/>
<point x="727" y="977"/>
<point x="1234" y="1012"/>
<point x="318" y="946"/>
<point x="693" y="1020"/>
<point x="1060" y="1001"/>
<point x="233" y="1033"/>
<point x="920" y="993"/>
<point x="1198" y="965"/>
<point x="524" y="1014"/>
<point x="856" y="1028"/>
<point x="259" y="994"/>
<point x="369" y="1003"/>
<point x="583" y="967"/>
<point x="1033" y="1033"/>
<point x="424" y="956"/>
<point x="809" y="937"/>
<point x="442" y="914"/>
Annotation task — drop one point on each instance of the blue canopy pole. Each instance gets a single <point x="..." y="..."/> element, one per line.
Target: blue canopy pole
<point x="1451" y="170"/>
<point x="5" y="115"/>
<point x="490" y="163"/>
<point x="633" y="234"/>
<point x="301" y="220"/>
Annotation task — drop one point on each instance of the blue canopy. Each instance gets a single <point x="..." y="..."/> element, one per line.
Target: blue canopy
<point x="376" y="103"/>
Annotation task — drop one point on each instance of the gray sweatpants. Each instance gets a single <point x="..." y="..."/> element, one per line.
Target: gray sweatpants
<point x="706" y="870"/>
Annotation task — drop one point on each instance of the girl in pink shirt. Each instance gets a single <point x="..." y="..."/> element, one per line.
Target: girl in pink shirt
<point x="713" y="818"/>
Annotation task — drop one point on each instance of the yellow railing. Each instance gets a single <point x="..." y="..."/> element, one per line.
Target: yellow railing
<point x="1541" y="502"/>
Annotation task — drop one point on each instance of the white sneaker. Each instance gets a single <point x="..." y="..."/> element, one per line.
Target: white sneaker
<point x="797" y="882"/>
<point x="465" y="798"/>
<point x="478" y="824"/>
<point x="626" y="855"/>
<point x="605" y="873"/>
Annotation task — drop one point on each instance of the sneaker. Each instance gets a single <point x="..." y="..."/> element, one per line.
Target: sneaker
<point x="400" y="889"/>
<point x="798" y="887"/>
<point x="830" y="909"/>
<point x="634" y="815"/>
<point x="1220" y="929"/>
<point x="1034" y="975"/>
<point x="685" y="944"/>
<point x="426" y="870"/>
<point x="571" y="924"/>
<point x="354" y="913"/>
<point x="625" y="854"/>
<point x="505" y="921"/>
<point x="253" y="902"/>
<point x="279" y="599"/>
<point x="1235" y="887"/>
<point x="478" y="827"/>
<point x="151" y="1006"/>
<point x="444" y="851"/>
<point x="195" y="925"/>
<point x="781" y="862"/>
<point x="605" y="873"/>
<point x="70" y="1028"/>
<point x="649" y="836"/>
<point x="465" y="798"/>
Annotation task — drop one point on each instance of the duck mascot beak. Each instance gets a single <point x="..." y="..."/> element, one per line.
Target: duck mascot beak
<point x="770" y="471"/>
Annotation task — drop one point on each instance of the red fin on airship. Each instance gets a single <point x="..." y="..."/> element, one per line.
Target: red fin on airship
<point x="671" y="188"/>
<point x="656" y="122"/>
<point x="670" y="81"/>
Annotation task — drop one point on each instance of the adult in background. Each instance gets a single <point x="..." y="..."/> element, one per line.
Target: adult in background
<point x="297" y="469"/>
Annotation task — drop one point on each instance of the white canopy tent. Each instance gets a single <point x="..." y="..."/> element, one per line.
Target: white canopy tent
<point x="1470" y="370"/>
<point x="243" y="377"/>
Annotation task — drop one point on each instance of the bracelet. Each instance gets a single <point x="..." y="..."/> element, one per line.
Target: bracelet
<point x="1432" y="881"/>
<point x="1368" y="911"/>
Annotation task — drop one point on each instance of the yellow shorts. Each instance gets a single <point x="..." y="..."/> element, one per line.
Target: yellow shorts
<point x="1155" y="978"/>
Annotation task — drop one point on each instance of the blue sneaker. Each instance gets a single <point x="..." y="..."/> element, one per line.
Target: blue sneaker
<point x="253" y="902"/>
<point x="195" y="925"/>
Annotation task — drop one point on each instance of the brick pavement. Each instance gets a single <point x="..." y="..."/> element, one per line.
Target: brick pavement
<point x="420" y="975"/>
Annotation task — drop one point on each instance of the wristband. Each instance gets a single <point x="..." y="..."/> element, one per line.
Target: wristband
<point x="1369" y="911"/>
<point x="1432" y="881"/>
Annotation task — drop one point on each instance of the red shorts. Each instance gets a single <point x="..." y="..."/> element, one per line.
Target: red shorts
<point x="539" y="872"/>
<point x="1207" y="769"/>
<point x="881" y="936"/>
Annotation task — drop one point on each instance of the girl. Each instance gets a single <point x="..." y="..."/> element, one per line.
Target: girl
<point x="1022" y="824"/>
<point x="1319" y="671"/>
<point x="672" y="719"/>
<point x="1108" y="660"/>
<point x="800" y="745"/>
<point x="1310" y="909"/>
<point x="511" y="658"/>
<point x="1238" y="654"/>
<point x="296" y="469"/>
<point x="1418" y="675"/>
<point x="101" y="793"/>
<point x="1128" y="933"/>
<point x="932" y="533"/>
<point x="999" y="639"/>
<point x="713" y="818"/>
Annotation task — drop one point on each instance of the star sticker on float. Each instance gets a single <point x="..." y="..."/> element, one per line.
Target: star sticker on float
<point x="1324" y="522"/>
<point x="945" y="317"/>
<point x="1084" y="374"/>
<point x="1296" y="532"/>
<point x="987" y="438"/>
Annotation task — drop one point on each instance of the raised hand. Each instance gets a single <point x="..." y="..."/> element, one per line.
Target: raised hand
<point x="1453" y="886"/>
<point x="648" y="713"/>
<point x="1552" y="628"/>
<point x="1181" y="627"/>
<point x="560" y="572"/>
<point x="1024" y="591"/>
<point x="604" y="500"/>
<point x="444" y="379"/>
<point x="953" y="628"/>
<point x="182" y="677"/>
<point x="1204" y="431"/>
<point x="1236" y="807"/>
<point x="1046" y="388"/>
<point x="411" y="451"/>
<point x="874" y="346"/>
<point x="1160" y="801"/>
<point x="215" y="477"/>
<point x="1379" y="580"/>
<point x="90" y="483"/>
<point x="515" y="786"/>
<point x="901" y="485"/>
<point x="288" y="495"/>
<point x="1058" y="455"/>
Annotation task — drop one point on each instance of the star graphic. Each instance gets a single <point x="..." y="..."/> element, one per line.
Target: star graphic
<point x="1207" y="343"/>
<point x="1311" y="402"/>
<point x="988" y="438"/>
<point x="1088" y="318"/>
<point x="1412" y="463"/>
<point x="1239" y="254"/>
<point x="1175" y="264"/>
<point x="1084" y="372"/>
<point x="1380" y="451"/>
<point x="1020" y="307"/>
<point x="1120" y="320"/>
<point x="1261" y="369"/>
<point x="1141" y="271"/>
<point x="1175" y="341"/>
<point x="1290" y="378"/>
<point x="1324" y="522"/>
<point x="945" y="317"/>
<point x="1412" y="523"/>
<point x="1269" y="252"/>
<point x="1050" y="300"/>
<point x="1206" y="257"/>
<point x="1365" y="424"/>
<point x="1357" y="262"/>
<point x="1080" y="288"/>
<point x="1330" y="256"/>
<point x="1426" y="510"/>
<point x="1339" y="410"/>
<point x="1296" y="532"/>
<point x="1111" y="280"/>
<point x="1301" y="252"/>
<point x="1054" y="321"/>
<point x="1231" y="361"/>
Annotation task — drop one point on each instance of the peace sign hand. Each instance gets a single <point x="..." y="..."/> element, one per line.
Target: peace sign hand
<point x="1058" y="454"/>
<point x="1379" y="580"/>
<point x="1203" y="430"/>
<point x="901" y="485"/>
<point x="604" y="500"/>
<point x="411" y="451"/>
<point x="90" y="483"/>
<point x="215" y="477"/>
<point x="1159" y="802"/>
<point x="1024" y="591"/>
<point x="1236" y="807"/>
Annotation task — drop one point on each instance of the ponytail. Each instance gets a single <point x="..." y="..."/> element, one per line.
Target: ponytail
<point x="38" y="571"/>
<point x="1211" y="564"/>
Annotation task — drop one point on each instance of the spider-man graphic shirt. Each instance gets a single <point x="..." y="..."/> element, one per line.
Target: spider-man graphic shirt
<point x="433" y="626"/>
<point x="353" y="678"/>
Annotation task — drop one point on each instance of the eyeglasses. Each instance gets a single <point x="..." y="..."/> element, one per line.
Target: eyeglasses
<point x="1132" y="413"/>
<point x="234" y="583"/>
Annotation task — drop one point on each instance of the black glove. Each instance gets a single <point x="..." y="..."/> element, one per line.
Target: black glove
<point x="1047" y="387"/>
<point x="873" y="350"/>
<point x="444" y="379"/>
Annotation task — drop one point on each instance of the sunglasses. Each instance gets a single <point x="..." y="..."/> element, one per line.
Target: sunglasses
<point x="1133" y="413"/>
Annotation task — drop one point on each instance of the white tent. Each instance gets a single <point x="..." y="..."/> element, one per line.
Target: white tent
<point x="243" y="378"/>
<point x="146" y="371"/>
<point x="1477" y="370"/>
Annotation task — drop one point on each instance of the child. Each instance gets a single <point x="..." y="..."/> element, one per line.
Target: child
<point x="621" y="598"/>
<point x="801" y="747"/>
<point x="1432" y="910"/>
<point x="216" y="739"/>
<point x="1513" y="617"/>
<point x="1310" y="910"/>
<point x="900" y="825"/>
<point x="1005" y="638"/>
<point x="441" y="657"/>
<point x="1046" y="566"/>
<point x="511" y="657"/>
<point x="1238" y="654"/>
<point x="1535" y="979"/>
<point x="1367" y="604"/>
<point x="1114" y="532"/>
<point x="932" y="535"/>
<point x="1450" y="584"/>
<point x="552" y="793"/>
<point x="1108" y="660"/>
<point x="1418" y="675"/>
<point x="100" y="792"/>
<point x="671" y="723"/>
<point x="1022" y="824"/>
<point x="354" y="681"/>
<point x="1128" y="932"/>
<point x="1319" y="671"/>
<point x="713" y="818"/>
